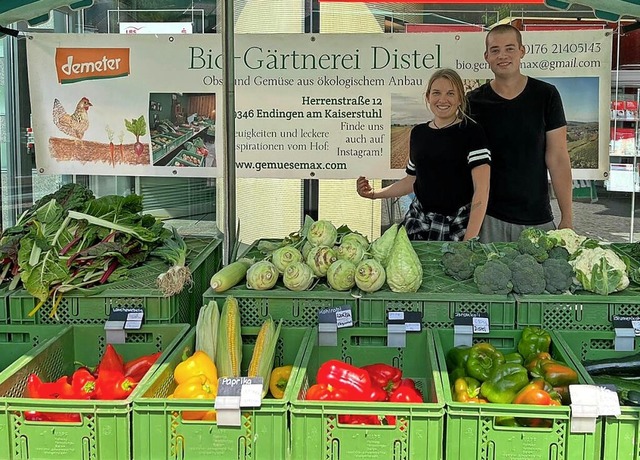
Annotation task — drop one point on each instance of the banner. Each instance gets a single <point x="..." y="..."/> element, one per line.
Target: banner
<point x="307" y="106"/>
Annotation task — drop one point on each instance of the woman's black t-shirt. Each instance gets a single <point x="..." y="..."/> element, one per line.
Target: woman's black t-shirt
<point x="442" y="160"/>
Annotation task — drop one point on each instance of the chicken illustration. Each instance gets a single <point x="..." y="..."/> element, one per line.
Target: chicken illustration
<point x="74" y="124"/>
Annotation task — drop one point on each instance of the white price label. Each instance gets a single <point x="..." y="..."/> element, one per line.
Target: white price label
<point x="480" y="325"/>
<point x="412" y="327"/>
<point x="344" y="319"/>
<point x="251" y="395"/>
<point x="134" y="320"/>
<point x="396" y="315"/>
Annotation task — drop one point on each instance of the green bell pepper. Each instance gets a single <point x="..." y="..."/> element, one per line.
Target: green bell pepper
<point x="457" y="357"/>
<point x="504" y="383"/>
<point x="457" y="373"/>
<point x="534" y="340"/>
<point x="483" y="359"/>
<point x="515" y="358"/>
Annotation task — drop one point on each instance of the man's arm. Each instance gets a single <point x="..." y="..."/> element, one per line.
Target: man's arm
<point x="559" y="165"/>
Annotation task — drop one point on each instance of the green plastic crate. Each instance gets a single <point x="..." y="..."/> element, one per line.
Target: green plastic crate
<point x="439" y="298"/>
<point x="4" y="303"/>
<point x="105" y="428"/>
<point x="137" y="291"/>
<point x="296" y="309"/>
<point x="585" y="312"/>
<point x="419" y="428"/>
<point x="159" y="431"/>
<point x="621" y="434"/>
<point x="16" y="341"/>
<point x="472" y="431"/>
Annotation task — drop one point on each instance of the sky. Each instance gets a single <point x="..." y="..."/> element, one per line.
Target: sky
<point x="579" y="97"/>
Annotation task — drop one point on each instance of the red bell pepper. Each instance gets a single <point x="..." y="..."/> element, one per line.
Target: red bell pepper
<point x="384" y="376"/>
<point x="325" y="392"/>
<point x="63" y="417"/>
<point x="359" y="420"/>
<point x="113" y="386"/>
<point x="406" y="395"/>
<point x="408" y="383"/>
<point x="353" y="379"/>
<point x="60" y="389"/>
<point x="137" y="368"/>
<point x="35" y="416"/>
<point x="111" y="361"/>
<point x="83" y="383"/>
<point x="377" y="394"/>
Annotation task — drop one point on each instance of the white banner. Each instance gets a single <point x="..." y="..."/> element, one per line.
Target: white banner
<point x="307" y="106"/>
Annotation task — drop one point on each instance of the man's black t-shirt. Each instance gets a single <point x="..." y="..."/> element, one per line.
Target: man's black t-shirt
<point x="442" y="160"/>
<point x="516" y="131"/>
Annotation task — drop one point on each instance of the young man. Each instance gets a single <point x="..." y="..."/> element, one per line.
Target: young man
<point x="524" y="122"/>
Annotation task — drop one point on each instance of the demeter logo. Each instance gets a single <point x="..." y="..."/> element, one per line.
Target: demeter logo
<point x="78" y="64"/>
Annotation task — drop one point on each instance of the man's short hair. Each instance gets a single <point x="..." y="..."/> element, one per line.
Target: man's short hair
<point x="503" y="29"/>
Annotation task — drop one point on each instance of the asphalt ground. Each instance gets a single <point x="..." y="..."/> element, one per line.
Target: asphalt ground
<point x="606" y="217"/>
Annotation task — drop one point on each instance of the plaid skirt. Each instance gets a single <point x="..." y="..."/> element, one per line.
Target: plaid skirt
<point x="433" y="226"/>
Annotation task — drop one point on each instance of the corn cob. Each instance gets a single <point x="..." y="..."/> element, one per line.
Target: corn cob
<point x="229" y="348"/>
<point x="264" y="353"/>
<point x="207" y="329"/>
<point x="229" y="276"/>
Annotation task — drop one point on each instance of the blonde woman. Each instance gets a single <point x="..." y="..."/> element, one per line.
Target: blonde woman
<point x="448" y="169"/>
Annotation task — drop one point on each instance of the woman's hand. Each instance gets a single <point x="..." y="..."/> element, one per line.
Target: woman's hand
<point x="364" y="188"/>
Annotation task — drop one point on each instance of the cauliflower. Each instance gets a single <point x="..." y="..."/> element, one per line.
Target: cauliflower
<point x="536" y="243"/>
<point x="558" y="275"/>
<point x="600" y="270"/>
<point x="527" y="275"/>
<point x="566" y="238"/>
<point x="494" y="277"/>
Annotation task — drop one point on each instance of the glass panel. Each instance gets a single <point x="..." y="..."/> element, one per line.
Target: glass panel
<point x="265" y="207"/>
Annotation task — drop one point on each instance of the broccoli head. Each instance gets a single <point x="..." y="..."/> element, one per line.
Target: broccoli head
<point x="458" y="261"/>
<point x="508" y="253"/>
<point x="558" y="275"/>
<point x="559" y="252"/>
<point x="527" y="275"/>
<point x="536" y="243"/>
<point x="494" y="277"/>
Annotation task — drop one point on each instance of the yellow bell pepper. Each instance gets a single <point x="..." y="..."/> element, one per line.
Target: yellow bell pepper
<point x="198" y="363"/>
<point x="196" y="387"/>
<point x="278" y="381"/>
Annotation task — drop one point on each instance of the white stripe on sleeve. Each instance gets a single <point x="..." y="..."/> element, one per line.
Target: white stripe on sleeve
<point x="477" y="155"/>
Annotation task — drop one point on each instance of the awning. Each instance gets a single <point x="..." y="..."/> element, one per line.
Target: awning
<point x="34" y="11"/>
<point x="609" y="10"/>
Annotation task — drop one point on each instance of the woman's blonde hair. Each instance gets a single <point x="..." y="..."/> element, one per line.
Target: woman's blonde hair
<point x="456" y="81"/>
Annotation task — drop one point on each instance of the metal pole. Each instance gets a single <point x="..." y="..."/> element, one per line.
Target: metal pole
<point x="635" y="176"/>
<point x="229" y="144"/>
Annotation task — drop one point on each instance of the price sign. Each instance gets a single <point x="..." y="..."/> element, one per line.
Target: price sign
<point x="627" y="322"/>
<point x="479" y="322"/>
<point x="234" y="393"/>
<point x="412" y="320"/>
<point x="120" y="320"/>
<point x="626" y="328"/>
<point x="341" y="316"/>
<point x="131" y="318"/>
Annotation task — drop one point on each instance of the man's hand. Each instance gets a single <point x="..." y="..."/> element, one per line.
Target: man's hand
<point x="565" y="223"/>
